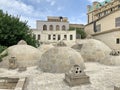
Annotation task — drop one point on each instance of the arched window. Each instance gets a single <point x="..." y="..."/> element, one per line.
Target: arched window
<point x="63" y="27"/>
<point x="44" y="27"/>
<point x="57" y="27"/>
<point x="51" y="27"/>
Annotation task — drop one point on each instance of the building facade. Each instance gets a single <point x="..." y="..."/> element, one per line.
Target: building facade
<point x="81" y="26"/>
<point x="54" y="30"/>
<point x="104" y="22"/>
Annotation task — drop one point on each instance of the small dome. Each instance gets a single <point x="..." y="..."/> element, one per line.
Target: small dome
<point x="43" y="48"/>
<point x="22" y="42"/>
<point x="69" y="43"/>
<point x="61" y="43"/>
<point x="77" y="47"/>
<point x="111" y="60"/>
<point x="26" y="55"/>
<point x="60" y="60"/>
<point x="94" y="50"/>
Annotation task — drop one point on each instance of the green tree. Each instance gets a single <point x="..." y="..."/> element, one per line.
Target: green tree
<point x="2" y="48"/>
<point x="80" y="33"/>
<point x="13" y="30"/>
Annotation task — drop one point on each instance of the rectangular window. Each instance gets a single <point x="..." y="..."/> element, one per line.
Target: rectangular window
<point x="71" y="37"/>
<point x="119" y="6"/>
<point x="54" y="36"/>
<point x="118" y="41"/>
<point x="98" y="28"/>
<point x="117" y="22"/>
<point x="39" y="37"/>
<point x="65" y="37"/>
<point x="58" y="37"/>
<point x="99" y="15"/>
<point x="49" y="37"/>
<point x="111" y="9"/>
<point x="105" y="12"/>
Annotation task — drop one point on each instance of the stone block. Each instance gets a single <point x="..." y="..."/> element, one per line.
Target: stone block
<point x="76" y="76"/>
<point x="12" y="63"/>
<point x="116" y="88"/>
<point x="73" y="81"/>
<point x="20" y="84"/>
<point x="21" y="69"/>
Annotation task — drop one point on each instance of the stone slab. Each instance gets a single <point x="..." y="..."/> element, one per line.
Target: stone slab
<point x="116" y="88"/>
<point x="75" y="81"/>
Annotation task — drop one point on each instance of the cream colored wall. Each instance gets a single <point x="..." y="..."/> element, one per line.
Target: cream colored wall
<point x="108" y="22"/>
<point x="77" y="25"/>
<point x="41" y="23"/>
<point x="44" y="35"/>
<point x="89" y="29"/>
<point x="110" y="39"/>
<point x="90" y="17"/>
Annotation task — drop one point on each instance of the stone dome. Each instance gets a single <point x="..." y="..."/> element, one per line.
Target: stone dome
<point x="22" y="42"/>
<point x="111" y="60"/>
<point x="94" y="50"/>
<point x="60" y="60"/>
<point x="43" y="48"/>
<point x="77" y="47"/>
<point x="26" y="55"/>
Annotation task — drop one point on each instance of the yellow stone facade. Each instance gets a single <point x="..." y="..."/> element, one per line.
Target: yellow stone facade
<point x="104" y="22"/>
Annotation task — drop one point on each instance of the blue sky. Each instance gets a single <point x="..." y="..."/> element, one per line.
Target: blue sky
<point x="32" y="10"/>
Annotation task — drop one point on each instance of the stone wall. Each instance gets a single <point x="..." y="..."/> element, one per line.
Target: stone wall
<point x="109" y="38"/>
<point x="20" y="84"/>
<point x="41" y="23"/>
<point x="12" y="83"/>
<point x="77" y="26"/>
<point x="89" y="29"/>
<point x="107" y="23"/>
<point x="44" y="35"/>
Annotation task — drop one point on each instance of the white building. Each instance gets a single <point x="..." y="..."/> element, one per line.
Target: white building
<point x="53" y="30"/>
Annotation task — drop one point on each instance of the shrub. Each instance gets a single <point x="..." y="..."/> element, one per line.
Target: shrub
<point x="2" y="48"/>
<point x="0" y="59"/>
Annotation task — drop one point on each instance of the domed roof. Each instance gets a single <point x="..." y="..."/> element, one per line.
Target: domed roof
<point x="94" y="50"/>
<point x="60" y="59"/>
<point x="26" y="55"/>
<point x="22" y="42"/>
<point x="112" y="59"/>
<point x="77" y="47"/>
<point x="43" y="48"/>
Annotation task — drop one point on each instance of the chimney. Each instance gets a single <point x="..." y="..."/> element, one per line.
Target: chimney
<point x="95" y="4"/>
<point x="88" y="7"/>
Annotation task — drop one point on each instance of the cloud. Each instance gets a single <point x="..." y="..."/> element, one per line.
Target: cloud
<point x="52" y="2"/>
<point x="60" y="8"/>
<point x="31" y="21"/>
<point x="25" y="12"/>
<point x="38" y="1"/>
<point x="78" y="20"/>
<point x="32" y="10"/>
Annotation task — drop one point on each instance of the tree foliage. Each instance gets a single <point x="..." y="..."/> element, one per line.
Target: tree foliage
<point x="13" y="30"/>
<point x="2" y="48"/>
<point x="80" y="33"/>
